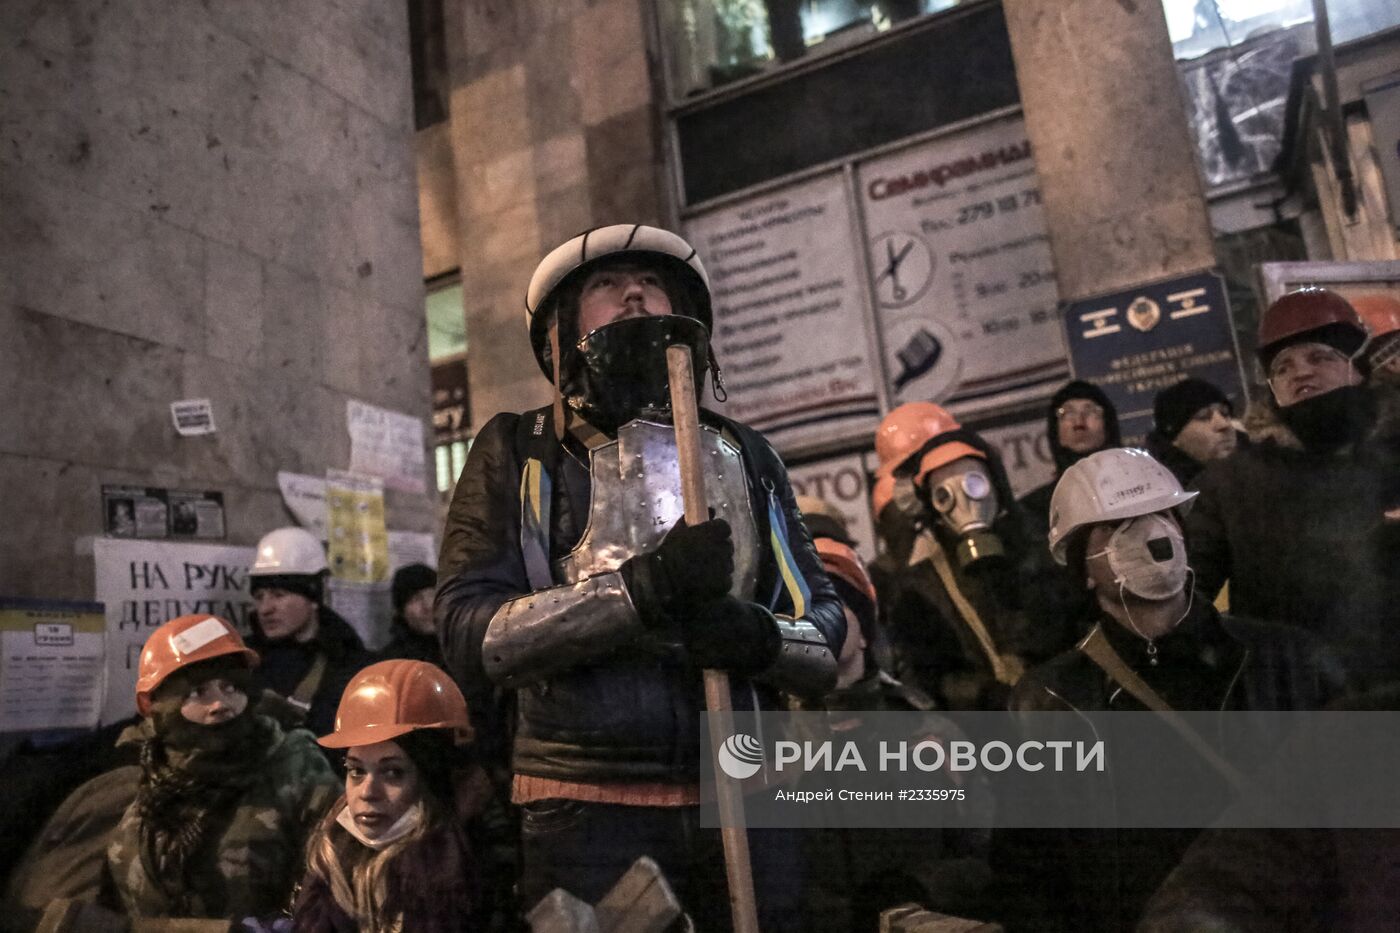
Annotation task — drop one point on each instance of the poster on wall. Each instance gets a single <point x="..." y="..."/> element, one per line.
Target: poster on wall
<point x="963" y="277"/>
<point x="143" y="584"/>
<point x="387" y="444"/>
<point x="358" y="539"/>
<point x="842" y="482"/>
<point x="52" y="658"/>
<point x="152" y="512"/>
<point x="1135" y="343"/>
<point x="789" y="327"/>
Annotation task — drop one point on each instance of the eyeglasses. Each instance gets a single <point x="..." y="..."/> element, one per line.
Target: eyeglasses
<point x="1086" y="410"/>
<point x="1311" y="355"/>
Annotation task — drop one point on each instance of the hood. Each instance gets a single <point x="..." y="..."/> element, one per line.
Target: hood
<point x="1078" y="388"/>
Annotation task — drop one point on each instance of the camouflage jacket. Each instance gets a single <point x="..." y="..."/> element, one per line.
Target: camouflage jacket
<point x="252" y="856"/>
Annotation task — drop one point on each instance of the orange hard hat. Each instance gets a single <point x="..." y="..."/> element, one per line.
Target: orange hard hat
<point x="392" y="698"/>
<point x="906" y="430"/>
<point x="1306" y="312"/>
<point x="1380" y="312"/>
<point x="841" y="560"/>
<point x="181" y="642"/>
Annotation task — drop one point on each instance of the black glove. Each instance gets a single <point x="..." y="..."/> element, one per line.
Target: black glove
<point x="731" y="635"/>
<point x="691" y="566"/>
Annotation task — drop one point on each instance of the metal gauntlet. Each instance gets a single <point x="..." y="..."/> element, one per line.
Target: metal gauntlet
<point x="805" y="665"/>
<point x="533" y="636"/>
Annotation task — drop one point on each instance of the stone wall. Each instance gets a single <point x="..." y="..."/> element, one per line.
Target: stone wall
<point x="199" y="200"/>
<point x="554" y="130"/>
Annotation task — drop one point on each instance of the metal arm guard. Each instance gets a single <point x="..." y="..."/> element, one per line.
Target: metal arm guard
<point x="805" y="666"/>
<point x="533" y="636"/>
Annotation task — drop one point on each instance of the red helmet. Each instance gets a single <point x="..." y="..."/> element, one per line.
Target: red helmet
<point x="1381" y="313"/>
<point x="391" y="698"/>
<point x="181" y="642"/>
<point x="1310" y="312"/>
<point x="841" y="560"/>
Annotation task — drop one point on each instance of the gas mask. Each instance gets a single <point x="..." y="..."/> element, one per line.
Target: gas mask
<point x="965" y="501"/>
<point x="1147" y="555"/>
<point x="618" y="372"/>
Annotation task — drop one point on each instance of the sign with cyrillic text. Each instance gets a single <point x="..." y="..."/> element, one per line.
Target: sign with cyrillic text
<point x="789" y="327"/>
<point x="961" y="267"/>
<point x="144" y="584"/>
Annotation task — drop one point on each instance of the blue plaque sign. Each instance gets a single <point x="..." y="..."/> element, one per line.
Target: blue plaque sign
<point x="1135" y="343"/>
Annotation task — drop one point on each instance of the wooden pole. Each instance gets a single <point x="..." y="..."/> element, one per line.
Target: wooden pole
<point x="686" y="415"/>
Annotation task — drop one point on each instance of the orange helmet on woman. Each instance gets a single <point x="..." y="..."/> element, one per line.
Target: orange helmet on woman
<point x="392" y="698"/>
<point x="181" y="642"/>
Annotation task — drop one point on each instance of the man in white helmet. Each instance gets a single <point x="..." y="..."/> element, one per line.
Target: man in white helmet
<point x="568" y="580"/>
<point x="309" y="653"/>
<point x="1115" y="523"/>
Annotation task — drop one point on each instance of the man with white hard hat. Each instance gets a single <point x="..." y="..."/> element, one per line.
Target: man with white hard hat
<point x="569" y="579"/>
<point x="1153" y="644"/>
<point x="309" y="653"/>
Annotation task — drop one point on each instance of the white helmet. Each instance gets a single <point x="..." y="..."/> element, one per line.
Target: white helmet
<point x="1110" y="486"/>
<point x="616" y="240"/>
<point x="287" y="551"/>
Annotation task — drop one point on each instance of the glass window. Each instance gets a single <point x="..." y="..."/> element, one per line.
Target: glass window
<point x="447" y="323"/>
<point x="713" y="42"/>
<point x="1236" y="59"/>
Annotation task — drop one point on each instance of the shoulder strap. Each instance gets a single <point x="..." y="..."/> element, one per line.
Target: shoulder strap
<point x="306" y="690"/>
<point x="1096" y="648"/>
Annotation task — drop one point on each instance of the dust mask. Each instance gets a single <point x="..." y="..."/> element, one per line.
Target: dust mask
<point x="1147" y="555"/>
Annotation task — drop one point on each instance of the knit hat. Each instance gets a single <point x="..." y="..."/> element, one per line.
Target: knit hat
<point x="409" y="580"/>
<point x="1178" y="404"/>
<point x="304" y="584"/>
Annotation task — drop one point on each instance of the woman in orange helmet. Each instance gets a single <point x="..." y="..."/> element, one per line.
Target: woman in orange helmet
<point x="391" y="854"/>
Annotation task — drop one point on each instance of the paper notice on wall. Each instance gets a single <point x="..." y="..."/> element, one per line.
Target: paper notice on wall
<point x="358" y="542"/>
<point x="143" y="584"/>
<point x="387" y="444"/>
<point x="841" y="481"/>
<point x="962" y="269"/>
<point x="52" y="660"/>
<point x="305" y="497"/>
<point x="411" y="547"/>
<point x="789" y="326"/>
<point x="193" y="417"/>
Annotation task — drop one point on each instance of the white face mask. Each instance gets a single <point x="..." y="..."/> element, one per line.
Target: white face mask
<point x="402" y="827"/>
<point x="1147" y="555"/>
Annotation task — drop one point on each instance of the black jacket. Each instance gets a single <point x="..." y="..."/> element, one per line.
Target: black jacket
<point x="1100" y="879"/>
<point x="1299" y="535"/>
<point x="632" y="715"/>
<point x="286" y="662"/>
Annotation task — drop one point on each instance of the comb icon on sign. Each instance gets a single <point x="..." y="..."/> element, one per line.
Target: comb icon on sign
<point x="919" y="354"/>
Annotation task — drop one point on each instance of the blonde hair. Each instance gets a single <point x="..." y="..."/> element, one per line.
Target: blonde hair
<point x="357" y="875"/>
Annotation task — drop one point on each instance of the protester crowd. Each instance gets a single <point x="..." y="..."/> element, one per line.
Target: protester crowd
<point x="533" y="722"/>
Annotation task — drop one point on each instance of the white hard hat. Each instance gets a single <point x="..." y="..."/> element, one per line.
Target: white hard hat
<point x="616" y="240"/>
<point x="288" y="551"/>
<point x="1110" y="486"/>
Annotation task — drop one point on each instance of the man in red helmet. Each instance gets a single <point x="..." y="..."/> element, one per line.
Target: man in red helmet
<point x="1296" y="522"/>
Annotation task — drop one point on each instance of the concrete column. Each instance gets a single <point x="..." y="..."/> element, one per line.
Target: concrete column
<point x="554" y="129"/>
<point x="1117" y="164"/>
